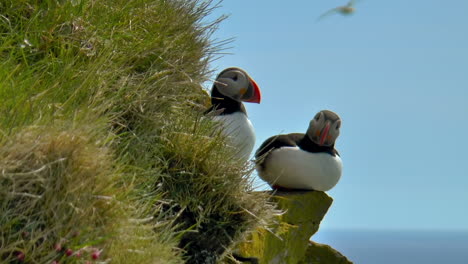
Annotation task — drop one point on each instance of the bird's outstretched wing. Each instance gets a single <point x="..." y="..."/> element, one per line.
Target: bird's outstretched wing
<point x="328" y="13"/>
<point x="343" y="10"/>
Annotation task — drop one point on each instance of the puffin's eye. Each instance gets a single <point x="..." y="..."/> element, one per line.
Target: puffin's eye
<point x="235" y="78"/>
<point x="338" y="125"/>
<point x="317" y="117"/>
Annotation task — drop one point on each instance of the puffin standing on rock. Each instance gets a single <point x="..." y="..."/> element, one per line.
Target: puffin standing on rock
<point x="303" y="161"/>
<point x="232" y="87"/>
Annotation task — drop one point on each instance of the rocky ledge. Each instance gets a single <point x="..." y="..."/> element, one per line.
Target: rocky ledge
<point x="288" y="240"/>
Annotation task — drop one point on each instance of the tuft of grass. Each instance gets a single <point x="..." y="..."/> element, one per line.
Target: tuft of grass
<point x="60" y="201"/>
<point x="211" y="191"/>
<point x="56" y="192"/>
<point x="104" y="152"/>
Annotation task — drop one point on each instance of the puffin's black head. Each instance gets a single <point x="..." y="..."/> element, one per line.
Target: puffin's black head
<point x="324" y="128"/>
<point x="236" y="84"/>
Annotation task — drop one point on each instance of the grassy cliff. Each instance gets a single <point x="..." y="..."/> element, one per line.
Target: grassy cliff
<point x="104" y="152"/>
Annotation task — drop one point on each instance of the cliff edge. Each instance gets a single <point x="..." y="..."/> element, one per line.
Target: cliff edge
<point x="288" y="239"/>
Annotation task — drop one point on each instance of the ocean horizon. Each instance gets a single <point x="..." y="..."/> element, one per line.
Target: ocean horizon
<point x="398" y="246"/>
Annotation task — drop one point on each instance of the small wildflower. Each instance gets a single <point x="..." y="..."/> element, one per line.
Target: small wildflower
<point x="27" y="42"/>
<point x="58" y="247"/>
<point x="96" y="254"/>
<point x="69" y="252"/>
<point x="20" y="256"/>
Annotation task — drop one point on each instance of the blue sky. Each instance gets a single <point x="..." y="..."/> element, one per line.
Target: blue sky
<point x="397" y="74"/>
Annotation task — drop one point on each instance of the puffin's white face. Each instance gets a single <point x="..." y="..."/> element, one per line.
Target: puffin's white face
<point x="235" y="83"/>
<point x="324" y="128"/>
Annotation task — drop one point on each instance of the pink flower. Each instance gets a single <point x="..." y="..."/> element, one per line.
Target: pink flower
<point x="20" y="256"/>
<point x="96" y="254"/>
<point x="58" y="247"/>
<point x="69" y="252"/>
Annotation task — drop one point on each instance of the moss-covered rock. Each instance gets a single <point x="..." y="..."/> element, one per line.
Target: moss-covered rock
<point x="319" y="253"/>
<point x="287" y="241"/>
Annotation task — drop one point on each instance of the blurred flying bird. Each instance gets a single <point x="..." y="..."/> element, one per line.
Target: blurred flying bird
<point x="345" y="10"/>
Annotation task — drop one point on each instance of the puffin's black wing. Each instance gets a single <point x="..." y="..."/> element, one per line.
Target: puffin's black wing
<point x="291" y="140"/>
<point x="275" y="142"/>
<point x="223" y="104"/>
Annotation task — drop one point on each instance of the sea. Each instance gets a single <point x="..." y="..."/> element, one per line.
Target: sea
<point x="398" y="246"/>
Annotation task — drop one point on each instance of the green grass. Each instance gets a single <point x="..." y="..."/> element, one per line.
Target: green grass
<point x="103" y="145"/>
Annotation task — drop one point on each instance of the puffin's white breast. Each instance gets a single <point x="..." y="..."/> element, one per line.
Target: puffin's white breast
<point x="239" y="131"/>
<point x="293" y="168"/>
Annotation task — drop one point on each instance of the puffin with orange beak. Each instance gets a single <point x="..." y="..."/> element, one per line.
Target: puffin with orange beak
<point x="303" y="161"/>
<point x="232" y="87"/>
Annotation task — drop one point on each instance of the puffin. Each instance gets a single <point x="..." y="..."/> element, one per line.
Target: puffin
<point x="231" y="88"/>
<point x="299" y="161"/>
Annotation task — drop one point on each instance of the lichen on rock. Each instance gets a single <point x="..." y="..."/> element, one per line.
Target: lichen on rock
<point x="320" y="253"/>
<point x="288" y="240"/>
